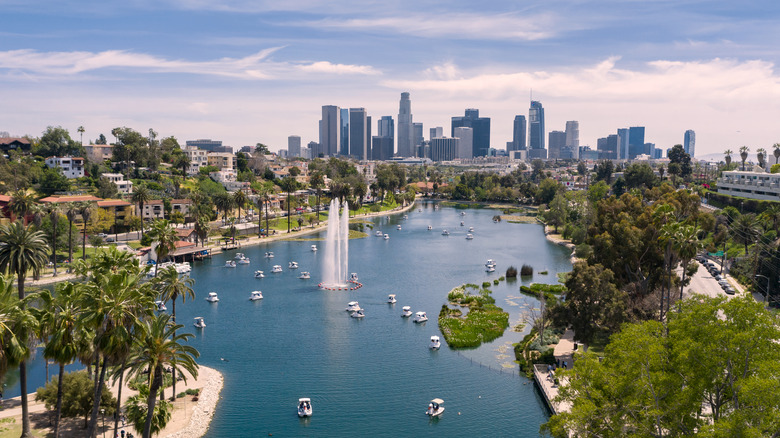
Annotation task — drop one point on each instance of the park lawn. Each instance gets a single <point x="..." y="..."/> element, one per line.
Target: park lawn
<point x="10" y="428"/>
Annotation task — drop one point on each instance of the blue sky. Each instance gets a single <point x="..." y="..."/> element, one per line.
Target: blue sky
<point x="246" y="71"/>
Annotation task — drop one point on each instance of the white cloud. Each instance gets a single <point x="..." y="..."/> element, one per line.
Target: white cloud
<point x="469" y="26"/>
<point x="255" y="66"/>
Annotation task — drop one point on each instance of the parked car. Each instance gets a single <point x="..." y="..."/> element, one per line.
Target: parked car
<point x="729" y="290"/>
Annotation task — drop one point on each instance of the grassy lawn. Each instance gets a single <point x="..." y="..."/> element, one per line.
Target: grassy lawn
<point x="10" y="428"/>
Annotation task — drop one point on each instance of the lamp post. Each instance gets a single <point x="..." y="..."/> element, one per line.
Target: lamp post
<point x="768" y="286"/>
<point x="103" y="413"/>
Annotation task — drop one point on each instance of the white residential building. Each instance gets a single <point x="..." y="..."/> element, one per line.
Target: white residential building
<point x="71" y="167"/>
<point x="228" y="180"/>
<point x="198" y="158"/>
<point x="753" y="185"/>
<point x="119" y="179"/>
<point x="222" y="160"/>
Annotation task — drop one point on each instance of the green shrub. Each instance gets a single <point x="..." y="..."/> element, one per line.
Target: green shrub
<point x="495" y="282"/>
<point x="485" y="284"/>
<point x="501" y="278"/>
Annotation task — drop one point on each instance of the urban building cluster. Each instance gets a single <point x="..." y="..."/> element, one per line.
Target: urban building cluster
<point x="348" y="132"/>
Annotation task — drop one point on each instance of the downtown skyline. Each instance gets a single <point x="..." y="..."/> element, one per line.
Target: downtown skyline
<point x="248" y="72"/>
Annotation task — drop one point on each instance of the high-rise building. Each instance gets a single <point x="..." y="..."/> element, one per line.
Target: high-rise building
<point x="381" y="148"/>
<point x="417" y="135"/>
<point x="536" y="131"/>
<point x="622" y="134"/>
<point x="465" y="138"/>
<point x="330" y="130"/>
<point x="519" y="128"/>
<point x="690" y="142"/>
<point x="358" y="133"/>
<point x="573" y="133"/>
<point x="556" y="140"/>
<point x="344" y="148"/>
<point x="294" y="146"/>
<point x="481" y="127"/>
<point x="607" y="147"/>
<point x="386" y="127"/>
<point x="315" y="150"/>
<point x="405" y="130"/>
<point x="436" y="132"/>
<point x="636" y="141"/>
<point x="444" y="148"/>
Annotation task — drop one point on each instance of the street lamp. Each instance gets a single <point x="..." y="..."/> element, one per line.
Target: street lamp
<point x="768" y="286"/>
<point x="103" y="413"/>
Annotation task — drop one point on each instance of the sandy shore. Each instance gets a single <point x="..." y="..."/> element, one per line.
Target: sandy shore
<point x="559" y="240"/>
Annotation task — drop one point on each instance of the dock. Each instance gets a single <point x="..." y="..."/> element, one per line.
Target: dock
<point x="549" y="389"/>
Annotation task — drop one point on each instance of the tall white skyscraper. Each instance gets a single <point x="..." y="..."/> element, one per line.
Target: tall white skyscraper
<point x="294" y="146"/>
<point x="330" y="130"/>
<point x="405" y="130"/>
<point x="466" y="142"/>
<point x="573" y="134"/>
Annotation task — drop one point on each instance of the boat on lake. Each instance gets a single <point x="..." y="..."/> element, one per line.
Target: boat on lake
<point x="256" y="295"/>
<point x="430" y="228"/>
<point x="269" y="255"/>
<point x="378" y="233"/>
<point x="490" y="262"/>
<point x="239" y="256"/>
<point x="259" y="274"/>
<point x="435" y="343"/>
<point x="212" y="298"/>
<point x="358" y="314"/>
<point x="462" y="223"/>
<point x="490" y="269"/>
<point x="305" y="275"/>
<point x="407" y="311"/>
<point x="469" y="236"/>
<point x="471" y="229"/>
<point x="304" y="407"/>
<point x="276" y="269"/>
<point x="199" y="323"/>
<point x="420" y="317"/>
<point x="353" y="276"/>
<point x="314" y="247"/>
<point x="230" y="264"/>
<point x="243" y="261"/>
<point x="353" y="306"/>
<point x="293" y="265"/>
<point x="160" y="306"/>
<point x="386" y="237"/>
<point x="445" y="233"/>
<point x="391" y="299"/>
<point x="435" y="407"/>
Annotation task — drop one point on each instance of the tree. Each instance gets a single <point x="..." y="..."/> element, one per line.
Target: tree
<point x="557" y="212"/>
<point x="85" y="208"/>
<point x="761" y="156"/>
<point x="157" y="348"/>
<point x="74" y="395"/>
<point x="744" y="229"/>
<point x="71" y="211"/>
<point x="640" y="175"/>
<point x="239" y="200"/>
<point x="202" y="229"/>
<point x="172" y="286"/>
<point x="136" y="409"/>
<point x="54" y="214"/>
<point x="81" y="134"/>
<point x="289" y="185"/>
<point x="593" y="305"/>
<point x="604" y="169"/>
<point x="223" y="202"/>
<point x="101" y="139"/>
<point x="743" y="154"/>
<point x="686" y="246"/>
<point x="548" y="188"/>
<point x="776" y="152"/>
<point x="677" y="155"/>
<point x="53" y="181"/>
<point x="15" y="324"/>
<point x="166" y="238"/>
<point x="728" y="153"/>
<point x="22" y="250"/>
<point x="21" y="204"/>
<point x="55" y="141"/>
<point x="141" y="195"/>
<point x="106" y="189"/>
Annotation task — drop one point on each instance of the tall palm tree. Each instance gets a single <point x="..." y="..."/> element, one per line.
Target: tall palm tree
<point x="166" y="238"/>
<point x="728" y="158"/>
<point x="85" y="208"/>
<point x="686" y="246"/>
<point x="744" y="230"/>
<point x="141" y="195"/>
<point x="113" y="303"/>
<point x="258" y="202"/>
<point x="58" y="320"/>
<point x="776" y="151"/>
<point x="172" y="286"/>
<point x="761" y="155"/>
<point x="71" y="212"/>
<point x="224" y="202"/>
<point x="81" y="134"/>
<point x="202" y="229"/>
<point x="265" y="192"/>
<point x="22" y="250"/>
<point x="22" y="202"/>
<point x="743" y="154"/>
<point x="317" y="182"/>
<point x="157" y="348"/>
<point x="359" y="190"/>
<point x="239" y="200"/>
<point x="53" y="209"/>
<point x="289" y="185"/>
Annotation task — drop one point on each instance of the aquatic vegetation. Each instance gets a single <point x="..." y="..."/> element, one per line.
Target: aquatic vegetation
<point x="484" y="321"/>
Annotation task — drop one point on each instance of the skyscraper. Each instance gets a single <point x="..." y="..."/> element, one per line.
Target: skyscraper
<point x="636" y="141"/>
<point x="622" y="134"/>
<point x="465" y="142"/>
<point x="481" y="127"/>
<point x="443" y="148"/>
<point x="405" y="131"/>
<point x="330" y="130"/>
<point x="536" y="131"/>
<point x="436" y="132"/>
<point x="417" y="135"/>
<point x="358" y="133"/>
<point x="386" y="127"/>
<point x="690" y="142"/>
<point x="344" y="148"/>
<point x="519" y="128"/>
<point x="556" y="142"/>
<point x="573" y="134"/>
<point x="294" y="146"/>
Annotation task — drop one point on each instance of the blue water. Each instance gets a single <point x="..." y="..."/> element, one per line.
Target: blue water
<point x="373" y="376"/>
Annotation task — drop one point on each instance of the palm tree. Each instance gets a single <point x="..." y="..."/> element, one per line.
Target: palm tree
<point x="81" y="134"/>
<point x="22" y="250"/>
<point x="289" y="185"/>
<point x="743" y="153"/>
<point x="141" y="195"/>
<point x="359" y="190"/>
<point x="13" y="347"/>
<point x="71" y="211"/>
<point x="157" y="348"/>
<point x="58" y="322"/>
<point x="744" y="229"/>
<point x="265" y="191"/>
<point x="224" y="202"/>
<point x="21" y="203"/>
<point x="777" y="151"/>
<point x="172" y="286"/>
<point x="202" y="229"/>
<point x="317" y="182"/>
<point x="761" y="155"/>
<point x="53" y="209"/>
<point x="686" y="246"/>
<point x="166" y="238"/>
<point x="239" y="200"/>
<point x="85" y="208"/>
<point x="728" y="158"/>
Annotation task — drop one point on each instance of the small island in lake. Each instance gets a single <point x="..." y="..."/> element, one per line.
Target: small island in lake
<point x="483" y="322"/>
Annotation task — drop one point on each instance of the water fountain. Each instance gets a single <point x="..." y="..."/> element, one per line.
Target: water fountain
<point x="336" y="262"/>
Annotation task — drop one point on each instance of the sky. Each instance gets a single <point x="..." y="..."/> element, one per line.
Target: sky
<point x="249" y="71"/>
